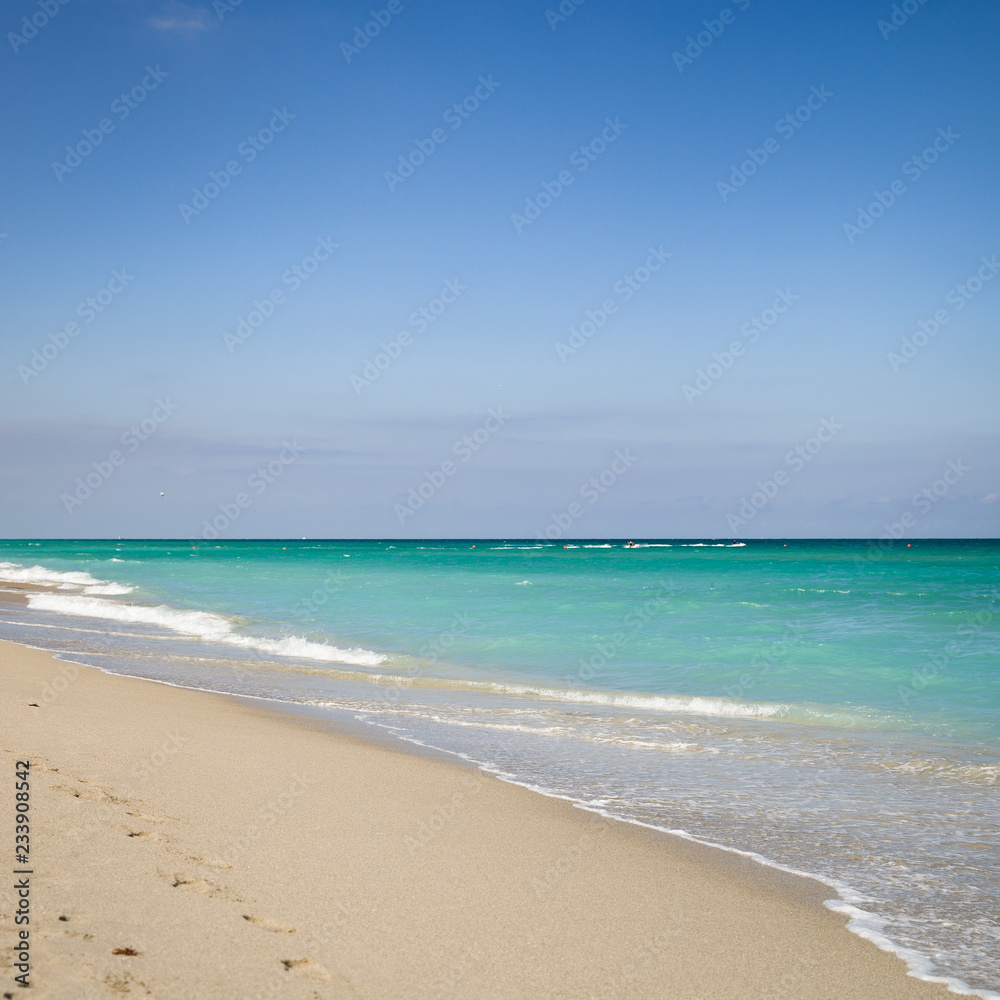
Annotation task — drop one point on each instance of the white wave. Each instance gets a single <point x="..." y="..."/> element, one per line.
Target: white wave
<point x="716" y="707"/>
<point x="297" y="646"/>
<point x="40" y="576"/>
<point x="685" y="704"/>
<point x="673" y="746"/>
<point x="509" y="727"/>
<point x="15" y="573"/>
<point x="976" y="774"/>
<point x="108" y="589"/>
<point x="212" y="627"/>
<point x="201" y="624"/>
<point x="871" y="927"/>
<point x="676" y="704"/>
<point x="524" y="583"/>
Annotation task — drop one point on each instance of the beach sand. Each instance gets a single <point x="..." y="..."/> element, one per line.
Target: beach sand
<point x="246" y="853"/>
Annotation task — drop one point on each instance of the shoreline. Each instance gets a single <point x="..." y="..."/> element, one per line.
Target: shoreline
<point x="602" y="896"/>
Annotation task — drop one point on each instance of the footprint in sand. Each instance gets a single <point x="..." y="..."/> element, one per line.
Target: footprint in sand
<point x="211" y="862"/>
<point x="306" y="967"/>
<point x="94" y="794"/>
<point x="63" y="788"/>
<point x="194" y="885"/>
<point x="269" y="925"/>
<point x="143" y="835"/>
<point x="201" y="885"/>
<point x="125" y="983"/>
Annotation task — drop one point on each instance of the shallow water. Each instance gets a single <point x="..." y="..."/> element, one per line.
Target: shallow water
<point x="831" y="706"/>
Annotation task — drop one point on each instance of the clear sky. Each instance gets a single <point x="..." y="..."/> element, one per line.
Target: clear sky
<point x="591" y="204"/>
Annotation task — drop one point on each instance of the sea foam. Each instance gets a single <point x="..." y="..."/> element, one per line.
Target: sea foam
<point x="40" y="576"/>
<point x="201" y="624"/>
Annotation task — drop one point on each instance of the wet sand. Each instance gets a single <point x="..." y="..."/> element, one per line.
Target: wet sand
<point x="244" y="852"/>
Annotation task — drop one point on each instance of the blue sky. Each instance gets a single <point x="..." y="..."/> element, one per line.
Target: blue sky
<point x="585" y="150"/>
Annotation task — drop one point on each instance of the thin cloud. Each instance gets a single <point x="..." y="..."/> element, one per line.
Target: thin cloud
<point x="181" y="17"/>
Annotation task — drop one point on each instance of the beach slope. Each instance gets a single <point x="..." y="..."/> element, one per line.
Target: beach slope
<point x="246" y="853"/>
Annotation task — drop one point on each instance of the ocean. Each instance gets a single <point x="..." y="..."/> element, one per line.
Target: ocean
<point x="829" y="707"/>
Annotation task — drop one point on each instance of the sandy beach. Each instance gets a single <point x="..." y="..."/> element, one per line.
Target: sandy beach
<point x="240" y="852"/>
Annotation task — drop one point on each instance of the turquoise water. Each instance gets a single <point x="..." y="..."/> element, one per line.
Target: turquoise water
<point x="831" y="706"/>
